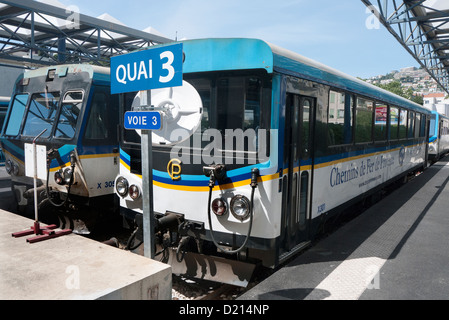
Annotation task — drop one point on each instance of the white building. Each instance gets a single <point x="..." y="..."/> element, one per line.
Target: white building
<point x="437" y="102"/>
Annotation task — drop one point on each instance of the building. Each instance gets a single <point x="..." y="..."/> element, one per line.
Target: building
<point x="437" y="102"/>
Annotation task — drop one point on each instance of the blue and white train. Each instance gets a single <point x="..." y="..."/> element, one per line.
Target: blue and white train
<point x="438" y="136"/>
<point x="73" y="104"/>
<point x="283" y="143"/>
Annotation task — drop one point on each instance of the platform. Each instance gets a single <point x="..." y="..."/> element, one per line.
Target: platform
<point x="398" y="249"/>
<point x="72" y="267"/>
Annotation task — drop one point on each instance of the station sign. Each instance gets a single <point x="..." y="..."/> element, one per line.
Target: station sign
<point x="143" y="120"/>
<point x="154" y="68"/>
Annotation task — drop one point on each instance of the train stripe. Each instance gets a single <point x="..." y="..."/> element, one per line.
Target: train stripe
<point x="200" y="184"/>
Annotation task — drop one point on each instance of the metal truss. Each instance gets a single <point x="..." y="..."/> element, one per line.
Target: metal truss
<point x="34" y="34"/>
<point x="422" y="28"/>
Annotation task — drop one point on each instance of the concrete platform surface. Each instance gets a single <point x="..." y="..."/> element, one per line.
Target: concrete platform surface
<point x="72" y="267"/>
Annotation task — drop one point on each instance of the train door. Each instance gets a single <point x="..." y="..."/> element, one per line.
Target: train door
<point x="440" y="136"/>
<point x="297" y="180"/>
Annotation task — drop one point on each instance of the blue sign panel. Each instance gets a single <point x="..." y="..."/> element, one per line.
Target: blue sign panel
<point x="143" y="120"/>
<point x="159" y="67"/>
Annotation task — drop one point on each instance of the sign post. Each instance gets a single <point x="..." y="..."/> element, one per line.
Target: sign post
<point x="147" y="184"/>
<point x="142" y="71"/>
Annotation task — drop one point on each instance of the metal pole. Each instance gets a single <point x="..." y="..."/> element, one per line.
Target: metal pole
<point x="147" y="183"/>
<point x="36" y="218"/>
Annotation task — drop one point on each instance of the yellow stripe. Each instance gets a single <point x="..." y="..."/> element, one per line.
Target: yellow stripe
<point x="93" y="156"/>
<point x="15" y="159"/>
<point x="89" y="156"/>
<point x="260" y="179"/>
<point x="330" y="163"/>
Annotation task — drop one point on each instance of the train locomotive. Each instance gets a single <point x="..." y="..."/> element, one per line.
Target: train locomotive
<point x="282" y="144"/>
<point x="72" y="111"/>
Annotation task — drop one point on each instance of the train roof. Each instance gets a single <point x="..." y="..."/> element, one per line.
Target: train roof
<point x="439" y="114"/>
<point x="242" y="53"/>
<point x="95" y="72"/>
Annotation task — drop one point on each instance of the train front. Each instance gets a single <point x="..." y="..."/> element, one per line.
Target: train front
<point x="215" y="178"/>
<point x="50" y="107"/>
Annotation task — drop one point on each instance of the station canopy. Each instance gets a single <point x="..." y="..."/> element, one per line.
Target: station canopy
<point x="42" y="33"/>
<point x="422" y="28"/>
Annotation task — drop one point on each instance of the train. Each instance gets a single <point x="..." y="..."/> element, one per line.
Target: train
<point x="4" y="102"/>
<point x="277" y="146"/>
<point x="67" y="110"/>
<point x="438" y="136"/>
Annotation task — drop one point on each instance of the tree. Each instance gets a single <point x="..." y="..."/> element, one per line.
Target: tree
<point x="396" y="88"/>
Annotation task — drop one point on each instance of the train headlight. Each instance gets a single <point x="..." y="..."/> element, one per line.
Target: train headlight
<point x="15" y="169"/>
<point x="121" y="186"/>
<point x="58" y="178"/>
<point x="134" y="192"/>
<point x="68" y="173"/>
<point x="8" y="166"/>
<point x="219" y="207"/>
<point x="240" y="207"/>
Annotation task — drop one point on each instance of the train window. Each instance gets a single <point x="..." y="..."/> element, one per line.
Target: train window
<point x="235" y="104"/>
<point x="97" y="125"/>
<point x="16" y="114"/>
<point x="394" y="123"/>
<point x="238" y="102"/>
<point x="417" y="124"/>
<point x="433" y="119"/>
<point x="339" y="118"/>
<point x="70" y="111"/>
<point x="380" y="122"/>
<point x="422" y="132"/>
<point x="403" y="124"/>
<point x="305" y="129"/>
<point x="203" y="87"/>
<point x="364" y="120"/>
<point x="410" y="124"/>
<point x="303" y="197"/>
<point x="251" y="117"/>
<point x="41" y="114"/>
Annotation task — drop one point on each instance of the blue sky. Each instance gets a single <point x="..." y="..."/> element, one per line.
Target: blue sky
<point x="329" y="31"/>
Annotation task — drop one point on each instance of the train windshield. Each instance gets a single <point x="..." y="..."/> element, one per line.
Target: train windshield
<point x="70" y="111"/>
<point x="46" y="110"/>
<point x="231" y="101"/>
<point x="16" y="115"/>
<point x="41" y="114"/>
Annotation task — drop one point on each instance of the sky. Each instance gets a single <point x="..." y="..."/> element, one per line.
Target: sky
<point x="341" y="34"/>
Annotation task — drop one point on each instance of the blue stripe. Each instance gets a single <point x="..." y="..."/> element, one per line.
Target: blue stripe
<point x="13" y="149"/>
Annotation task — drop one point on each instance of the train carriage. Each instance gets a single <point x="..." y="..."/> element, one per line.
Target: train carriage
<point x="283" y="143"/>
<point x="438" y="136"/>
<point x="74" y="105"/>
